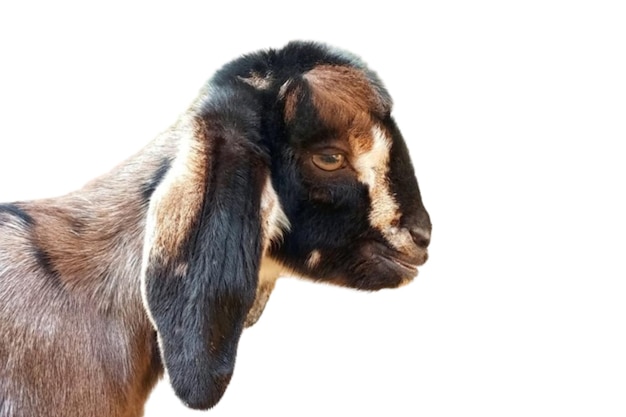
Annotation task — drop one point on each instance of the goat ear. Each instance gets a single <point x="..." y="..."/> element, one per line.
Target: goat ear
<point x="202" y="252"/>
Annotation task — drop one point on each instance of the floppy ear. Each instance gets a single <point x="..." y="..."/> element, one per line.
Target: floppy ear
<point x="202" y="252"/>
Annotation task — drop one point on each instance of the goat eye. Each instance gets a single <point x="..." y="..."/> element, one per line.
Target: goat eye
<point x="329" y="162"/>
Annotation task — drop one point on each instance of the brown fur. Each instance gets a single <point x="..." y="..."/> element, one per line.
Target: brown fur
<point x="340" y="93"/>
<point x="72" y="277"/>
<point x="180" y="199"/>
<point x="291" y="96"/>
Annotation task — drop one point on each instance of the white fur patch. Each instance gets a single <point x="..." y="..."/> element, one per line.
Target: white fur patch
<point x="314" y="259"/>
<point x="372" y="167"/>
<point x="273" y="218"/>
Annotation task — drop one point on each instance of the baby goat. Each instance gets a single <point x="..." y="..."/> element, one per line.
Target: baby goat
<point x="289" y="162"/>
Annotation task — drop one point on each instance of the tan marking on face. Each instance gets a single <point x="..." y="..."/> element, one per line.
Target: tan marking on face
<point x="314" y="259"/>
<point x="372" y="167"/>
<point x="274" y="221"/>
<point x="360" y="136"/>
<point x="340" y="93"/>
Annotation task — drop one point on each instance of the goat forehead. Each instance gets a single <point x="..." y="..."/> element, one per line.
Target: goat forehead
<point x="335" y="86"/>
<point x="336" y="92"/>
<point x="340" y="92"/>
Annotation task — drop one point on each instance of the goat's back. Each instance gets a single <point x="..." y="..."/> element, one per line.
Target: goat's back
<point x="59" y="354"/>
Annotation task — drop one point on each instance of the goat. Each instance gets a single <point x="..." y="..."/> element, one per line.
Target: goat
<point x="289" y="162"/>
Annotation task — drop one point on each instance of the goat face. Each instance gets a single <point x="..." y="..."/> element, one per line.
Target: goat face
<point x="346" y="183"/>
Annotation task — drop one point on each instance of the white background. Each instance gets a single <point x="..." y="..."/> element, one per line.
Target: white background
<point x="515" y="114"/>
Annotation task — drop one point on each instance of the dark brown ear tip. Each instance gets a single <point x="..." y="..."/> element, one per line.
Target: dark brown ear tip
<point x="204" y="394"/>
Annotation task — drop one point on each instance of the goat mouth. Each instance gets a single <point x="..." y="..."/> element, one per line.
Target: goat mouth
<point x="403" y="264"/>
<point x="400" y="264"/>
<point x="403" y="267"/>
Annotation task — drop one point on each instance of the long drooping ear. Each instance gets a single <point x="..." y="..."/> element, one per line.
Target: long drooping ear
<point x="202" y="252"/>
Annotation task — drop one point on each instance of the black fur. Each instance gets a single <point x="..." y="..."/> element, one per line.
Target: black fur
<point x="45" y="262"/>
<point x="287" y="63"/>
<point x="403" y="183"/>
<point x="15" y="211"/>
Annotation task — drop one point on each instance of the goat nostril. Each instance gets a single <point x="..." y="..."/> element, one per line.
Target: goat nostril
<point x="420" y="237"/>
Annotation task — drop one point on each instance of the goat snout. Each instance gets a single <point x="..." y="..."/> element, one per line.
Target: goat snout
<point x="420" y="236"/>
<point x="410" y="244"/>
<point x="419" y="227"/>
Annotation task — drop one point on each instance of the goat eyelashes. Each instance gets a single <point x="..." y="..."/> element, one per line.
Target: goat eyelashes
<point x="289" y="162"/>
